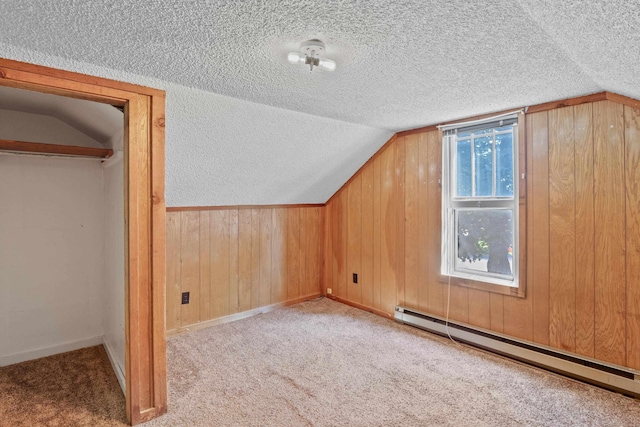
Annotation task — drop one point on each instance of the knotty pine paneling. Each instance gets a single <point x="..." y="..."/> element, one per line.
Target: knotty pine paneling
<point x="237" y="259"/>
<point x="583" y="193"/>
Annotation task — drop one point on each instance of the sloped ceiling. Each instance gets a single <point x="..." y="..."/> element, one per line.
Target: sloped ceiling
<point x="98" y="121"/>
<point x="401" y="65"/>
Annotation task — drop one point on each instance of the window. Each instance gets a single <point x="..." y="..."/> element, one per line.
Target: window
<point x="480" y="201"/>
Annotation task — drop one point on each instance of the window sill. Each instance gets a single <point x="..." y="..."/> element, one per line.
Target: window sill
<point x="518" y="292"/>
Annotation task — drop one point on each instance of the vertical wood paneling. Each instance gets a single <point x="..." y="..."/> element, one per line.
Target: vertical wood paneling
<point x="234" y="260"/>
<point x="255" y="258"/>
<point x="562" y="221"/>
<point x="303" y="256"/>
<point x="340" y="275"/>
<point x="293" y="250"/>
<point x="399" y="195"/>
<point x="423" y="231"/>
<point x="377" y="234"/>
<point x="366" y="267"/>
<point x="632" y="177"/>
<point x="435" y="290"/>
<point x="266" y="226"/>
<point x="326" y="243"/>
<point x="457" y="300"/>
<point x="314" y="250"/>
<point x="245" y="262"/>
<point x="480" y="308"/>
<point x="354" y="238"/>
<point x="234" y="290"/>
<point x="204" y="297"/>
<point x="173" y="270"/>
<point x="412" y="223"/>
<point x="538" y="128"/>
<point x="497" y="312"/>
<point x="219" y="261"/>
<point x="610" y="273"/>
<point x="518" y="312"/>
<point x="279" y="256"/>
<point x="582" y="286"/>
<point x="388" y="240"/>
<point x="585" y="231"/>
<point x="190" y="265"/>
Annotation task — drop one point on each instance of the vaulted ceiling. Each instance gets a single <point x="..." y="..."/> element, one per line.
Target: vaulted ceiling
<point x="246" y="127"/>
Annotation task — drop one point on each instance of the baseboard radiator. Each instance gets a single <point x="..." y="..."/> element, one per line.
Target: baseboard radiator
<point x="613" y="377"/>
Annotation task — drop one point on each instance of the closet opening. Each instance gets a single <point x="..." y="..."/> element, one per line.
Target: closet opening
<point x="82" y="226"/>
<point x="62" y="245"/>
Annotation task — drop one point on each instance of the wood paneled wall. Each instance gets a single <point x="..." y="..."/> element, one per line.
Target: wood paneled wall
<point x="583" y="235"/>
<point x="234" y="260"/>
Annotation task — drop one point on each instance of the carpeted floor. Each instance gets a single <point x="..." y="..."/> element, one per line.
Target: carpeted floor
<point x="319" y="363"/>
<point x="77" y="388"/>
<point x="323" y="363"/>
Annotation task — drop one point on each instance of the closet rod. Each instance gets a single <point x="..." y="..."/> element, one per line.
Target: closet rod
<point x="69" y="150"/>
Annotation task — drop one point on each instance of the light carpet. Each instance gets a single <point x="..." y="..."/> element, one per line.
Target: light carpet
<point x="322" y="363"/>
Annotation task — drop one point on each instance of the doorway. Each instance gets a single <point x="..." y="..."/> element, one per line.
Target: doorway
<point x="143" y="146"/>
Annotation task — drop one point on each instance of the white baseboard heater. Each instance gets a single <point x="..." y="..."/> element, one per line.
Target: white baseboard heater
<point x="614" y="377"/>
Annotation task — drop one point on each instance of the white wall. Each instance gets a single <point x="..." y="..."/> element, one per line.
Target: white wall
<point x="61" y="247"/>
<point x="51" y="252"/>
<point x="19" y="126"/>
<point x="113" y="260"/>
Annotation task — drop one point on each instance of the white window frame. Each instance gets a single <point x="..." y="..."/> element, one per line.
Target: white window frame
<point x="452" y="204"/>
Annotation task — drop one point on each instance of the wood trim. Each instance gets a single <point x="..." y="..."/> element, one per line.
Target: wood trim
<point x="158" y="254"/>
<point x="65" y="150"/>
<point x="224" y="208"/>
<point x="418" y="130"/>
<point x="242" y="315"/>
<point x="481" y="286"/>
<point x="144" y="210"/>
<point x="380" y="313"/>
<point x="431" y="128"/>
<point x="600" y="96"/>
<point x="79" y="77"/>
<point x="624" y="100"/>
<point x="387" y="144"/>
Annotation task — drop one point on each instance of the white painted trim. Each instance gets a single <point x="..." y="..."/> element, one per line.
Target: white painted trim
<point x="117" y="369"/>
<point x="49" y="351"/>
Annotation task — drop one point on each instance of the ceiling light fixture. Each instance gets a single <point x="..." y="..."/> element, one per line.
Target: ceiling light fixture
<point x="310" y="52"/>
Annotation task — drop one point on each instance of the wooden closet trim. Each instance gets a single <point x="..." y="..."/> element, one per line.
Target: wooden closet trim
<point x="144" y="138"/>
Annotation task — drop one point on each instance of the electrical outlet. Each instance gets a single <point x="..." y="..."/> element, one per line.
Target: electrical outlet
<point x="328" y="291"/>
<point x="355" y="277"/>
<point x="185" y="297"/>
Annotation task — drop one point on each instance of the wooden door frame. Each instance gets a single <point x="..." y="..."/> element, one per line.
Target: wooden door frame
<point x="144" y="138"/>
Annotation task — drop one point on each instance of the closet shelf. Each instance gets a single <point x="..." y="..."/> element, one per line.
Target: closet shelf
<point x="63" y="150"/>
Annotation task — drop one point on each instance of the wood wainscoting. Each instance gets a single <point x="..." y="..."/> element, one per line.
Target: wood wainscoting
<point x="583" y="233"/>
<point x="238" y="259"/>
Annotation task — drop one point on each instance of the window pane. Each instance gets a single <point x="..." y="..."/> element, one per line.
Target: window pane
<point x="463" y="168"/>
<point x="504" y="165"/>
<point x="485" y="240"/>
<point x="483" y="153"/>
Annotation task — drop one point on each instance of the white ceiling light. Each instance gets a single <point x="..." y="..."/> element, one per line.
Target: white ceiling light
<point x="310" y="54"/>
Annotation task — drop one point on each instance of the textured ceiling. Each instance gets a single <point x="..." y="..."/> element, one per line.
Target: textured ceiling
<point x="400" y="65"/>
